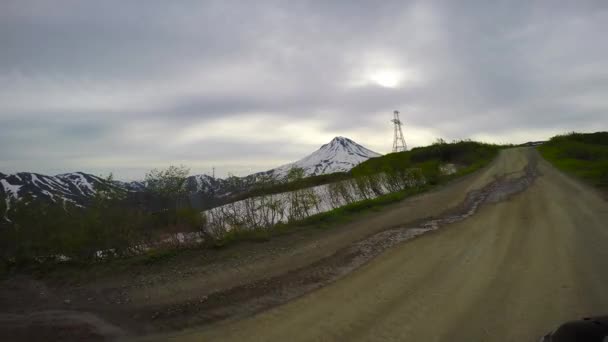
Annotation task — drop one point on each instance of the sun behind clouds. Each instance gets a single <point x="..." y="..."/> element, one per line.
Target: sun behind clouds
<point x="388" y="78"/>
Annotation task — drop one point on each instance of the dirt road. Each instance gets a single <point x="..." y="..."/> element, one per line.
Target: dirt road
<point x="512" y="271"/>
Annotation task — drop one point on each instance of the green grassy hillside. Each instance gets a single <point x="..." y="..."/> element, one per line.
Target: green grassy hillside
<point x="466" y="155"/>
<point x="584" y="155"/>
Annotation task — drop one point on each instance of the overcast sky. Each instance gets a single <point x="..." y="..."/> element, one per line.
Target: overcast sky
<point x="125" y="86"/>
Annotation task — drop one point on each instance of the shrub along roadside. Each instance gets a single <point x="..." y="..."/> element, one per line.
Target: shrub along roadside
<point x="584" y="155"/>
<point x="41" y="232"/>
<point x="44" y="233"/>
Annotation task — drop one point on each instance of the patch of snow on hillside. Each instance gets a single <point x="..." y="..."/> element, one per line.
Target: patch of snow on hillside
<point x="56" y="183"/>
<point x="277" y="208"/>
<point x="82" y="183"/>
<point x="35" y="179"/>
<point x="85" y="184"/>
<point x="10" y="189"/>
<point x="51" y="196"/>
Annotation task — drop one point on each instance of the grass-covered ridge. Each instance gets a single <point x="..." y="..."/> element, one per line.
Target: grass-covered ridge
<point x="464" y="154"/>
<point x="584" y="155"/>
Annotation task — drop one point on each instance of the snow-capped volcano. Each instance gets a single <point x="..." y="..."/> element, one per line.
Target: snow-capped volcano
<point x="339" y="155"/>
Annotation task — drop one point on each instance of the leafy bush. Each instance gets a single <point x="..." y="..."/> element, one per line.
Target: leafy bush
<point x="583" y="155"/>
<point x="463" y="153"/>
<point x="109" y="226"/>
<point x="41" y="230"/>
<point x="597" y="138"/>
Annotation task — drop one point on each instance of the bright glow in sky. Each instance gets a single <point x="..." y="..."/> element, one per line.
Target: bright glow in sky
<point x="386" y="78"/>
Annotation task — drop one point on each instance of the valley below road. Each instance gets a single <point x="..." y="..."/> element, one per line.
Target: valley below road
<point x="504" y="254"/>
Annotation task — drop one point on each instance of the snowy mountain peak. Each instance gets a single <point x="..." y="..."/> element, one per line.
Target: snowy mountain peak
<point x="339" y="144"/>
<point x="341" y="140"/>
<point x="339" y="155"/>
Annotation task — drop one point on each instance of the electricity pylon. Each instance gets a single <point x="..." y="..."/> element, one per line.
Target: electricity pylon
<point x="398" y="142"/>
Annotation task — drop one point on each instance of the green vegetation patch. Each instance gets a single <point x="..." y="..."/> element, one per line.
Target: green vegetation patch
<point x="584" y="155"/>
<point x="465" y="154"/>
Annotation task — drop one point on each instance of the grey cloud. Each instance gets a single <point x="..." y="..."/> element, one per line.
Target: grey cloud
<point x="494" y="69"/>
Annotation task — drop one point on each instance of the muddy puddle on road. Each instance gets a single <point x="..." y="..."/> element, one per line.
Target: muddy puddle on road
<point x="246" y="300"/>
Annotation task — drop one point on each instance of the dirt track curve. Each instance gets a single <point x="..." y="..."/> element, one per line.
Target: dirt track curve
<point x="532" y="253"/>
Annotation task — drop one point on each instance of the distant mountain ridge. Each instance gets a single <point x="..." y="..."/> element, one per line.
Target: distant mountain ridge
<point x="339" y="155"/>
<point x="74" y="187"/>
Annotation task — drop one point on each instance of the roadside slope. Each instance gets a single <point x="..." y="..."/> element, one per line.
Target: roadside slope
<point x="513" y="271"/>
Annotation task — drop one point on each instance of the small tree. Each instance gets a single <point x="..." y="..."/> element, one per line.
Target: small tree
<point x="168" y="185"/>
<point x="168" y="182"/>
<point x="294" y="174"/>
